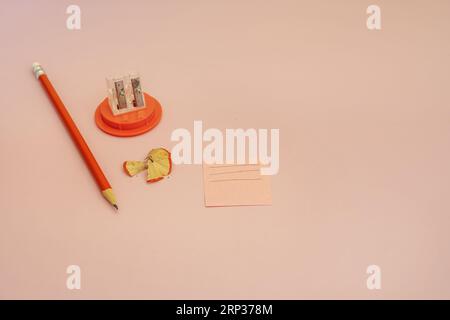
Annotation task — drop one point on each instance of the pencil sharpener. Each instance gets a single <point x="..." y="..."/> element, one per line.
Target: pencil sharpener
<point x="127" y="110"/>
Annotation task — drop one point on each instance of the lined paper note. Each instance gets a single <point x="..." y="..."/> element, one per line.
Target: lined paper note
<point x="235" y="185"/>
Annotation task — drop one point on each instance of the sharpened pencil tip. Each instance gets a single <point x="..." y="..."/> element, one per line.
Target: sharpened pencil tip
<point x="115" y="206"/>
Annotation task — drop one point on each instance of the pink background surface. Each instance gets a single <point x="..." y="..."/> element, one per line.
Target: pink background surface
<point x="364" y="162"/>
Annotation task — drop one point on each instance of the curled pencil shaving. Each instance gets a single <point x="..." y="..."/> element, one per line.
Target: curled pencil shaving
<point x="158" y="164"/>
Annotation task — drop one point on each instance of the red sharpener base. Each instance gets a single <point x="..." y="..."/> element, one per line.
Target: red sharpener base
<point x="131" y="123"/>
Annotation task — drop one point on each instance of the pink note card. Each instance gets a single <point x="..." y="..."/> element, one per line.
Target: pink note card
<point x="235" y="185"/>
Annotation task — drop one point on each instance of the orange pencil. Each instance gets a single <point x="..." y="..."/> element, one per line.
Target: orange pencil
<point x="77" y="138"/>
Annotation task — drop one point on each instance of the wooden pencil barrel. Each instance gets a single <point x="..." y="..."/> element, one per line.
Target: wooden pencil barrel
<point x="75" y="134"/>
